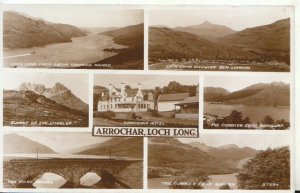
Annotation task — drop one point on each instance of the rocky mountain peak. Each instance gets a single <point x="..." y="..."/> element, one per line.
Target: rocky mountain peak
<point x="58" y="87"/>
<point x="37" y="88"/>
<point x="229" y="146"/>
<point x="207" y="23"/>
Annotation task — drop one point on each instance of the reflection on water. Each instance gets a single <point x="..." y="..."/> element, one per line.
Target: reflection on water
<point x="255" y="113"/>
<point x="49" y="180"/>
<point x="8" y="157"/>
<point x="90" y="179"/>
<point x="215" y="182"/>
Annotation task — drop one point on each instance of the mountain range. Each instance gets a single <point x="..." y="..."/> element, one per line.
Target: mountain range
<point x="210" y="41"/>
<point x="207" y="30"/>
<point x="119" y="146"/>
<point x="261" y="94"/>
<point x="59" y="93"/>
<point x="35" y="103"/>
<point x="21" y="31"/>
<point x="167" y="43"/>
<point x="164" y="153"/>
<point x="231" y="154"/>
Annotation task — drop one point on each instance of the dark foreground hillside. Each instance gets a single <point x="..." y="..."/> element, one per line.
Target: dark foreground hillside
<point x="26" y="108"/>
<point x="131" y="57"/>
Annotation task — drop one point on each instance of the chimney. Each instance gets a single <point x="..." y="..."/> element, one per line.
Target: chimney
<point x="139" y="86"/>
<point x="110" y="86"/>
<point x="122" y="88"/>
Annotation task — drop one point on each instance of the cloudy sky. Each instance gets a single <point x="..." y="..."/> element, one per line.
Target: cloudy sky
<point x="256" y="141"/>
<point x="81" y="15"/>
<point x="147" y="81"/>
<point x="77" y="83"/>
<point x="235" y="17"/>
<point x="234" y="83"/>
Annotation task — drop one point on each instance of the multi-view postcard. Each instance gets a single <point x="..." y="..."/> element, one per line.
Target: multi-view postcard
<point x="57" y="36"/>
<point x="220" y="161"/>
<point x="256" y="102"/>
<point x="46" y="100"/>
<point x="71" y="160"/>
<point x="220" y="38"/>
<point x="146" y="101"/>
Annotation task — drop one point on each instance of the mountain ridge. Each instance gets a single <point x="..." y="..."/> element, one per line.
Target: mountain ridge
<point x="207" y="30"/>
<point x="261" y="94"/>
<point x="59" y="93"/>
<point x="167" y="43"/>
<point x="269" y="41"/>
<point x="20" y="31"/>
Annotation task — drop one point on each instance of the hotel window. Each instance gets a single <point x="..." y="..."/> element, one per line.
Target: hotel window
<point x="132" y="99"/>
<point x="111" y="106"/>
<point x="116" y="106"/>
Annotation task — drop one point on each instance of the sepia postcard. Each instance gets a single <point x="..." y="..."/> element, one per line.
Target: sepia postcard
<point x="146" y="101"/>
<point x="165" y="97"/>
<point x="56" y="36"/>
<point x="220" y="38"/>
<point x="45" y="100"/>
<point x="220" y="161"/>
<point x="256" y="102"/>
<point x="71" y="160"/>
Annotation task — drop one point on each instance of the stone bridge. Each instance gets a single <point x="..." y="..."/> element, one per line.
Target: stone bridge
<point x="23" y="173"/>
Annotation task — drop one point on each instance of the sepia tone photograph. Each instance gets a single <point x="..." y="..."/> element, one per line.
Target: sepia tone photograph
<point x="245" y="38"/>
<point x="146" y="101"/>
<point x="220" y="161"/>
<point x="45" y="100"/>
<point x="256" y="102"/>
<point x="56" y="36"/>
<point x="71" y="160"/>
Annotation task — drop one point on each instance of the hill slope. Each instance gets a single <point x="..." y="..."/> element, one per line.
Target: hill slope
<point x="15" y="143"/>
<point x="122" y="147"/>
<point x="131" y="57"/>
<point x="166" y="154"/>
<point x="166" y="43"/>
<point x="214" y="93"/>
<point x="270" y="94"/>
<point x="20" y="31"/>
<point x="207" y="30"/>
<point x="269" y="41"/>
<point x="27" y="106"/>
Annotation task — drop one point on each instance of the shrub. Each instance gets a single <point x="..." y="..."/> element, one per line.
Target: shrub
<point x="192" y="179"/>
<point x="225" y="187"/>
<point x="269" y="169"/>
<point x="105" y="115"/>
<point x="153" y="112"/>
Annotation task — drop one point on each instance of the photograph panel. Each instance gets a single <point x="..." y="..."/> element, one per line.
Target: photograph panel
<point x="146" y="101"/>
<point x="56" y="36"/>
<point x="220" y="161"/>
<point x="256" y="102"/>
<point x="245" y="38"/>
<point x="46" y="100"/>
<point x="71" y="160"/>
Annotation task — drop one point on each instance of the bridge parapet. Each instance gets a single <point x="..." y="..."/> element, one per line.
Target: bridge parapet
<point x="29" y="170"/>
